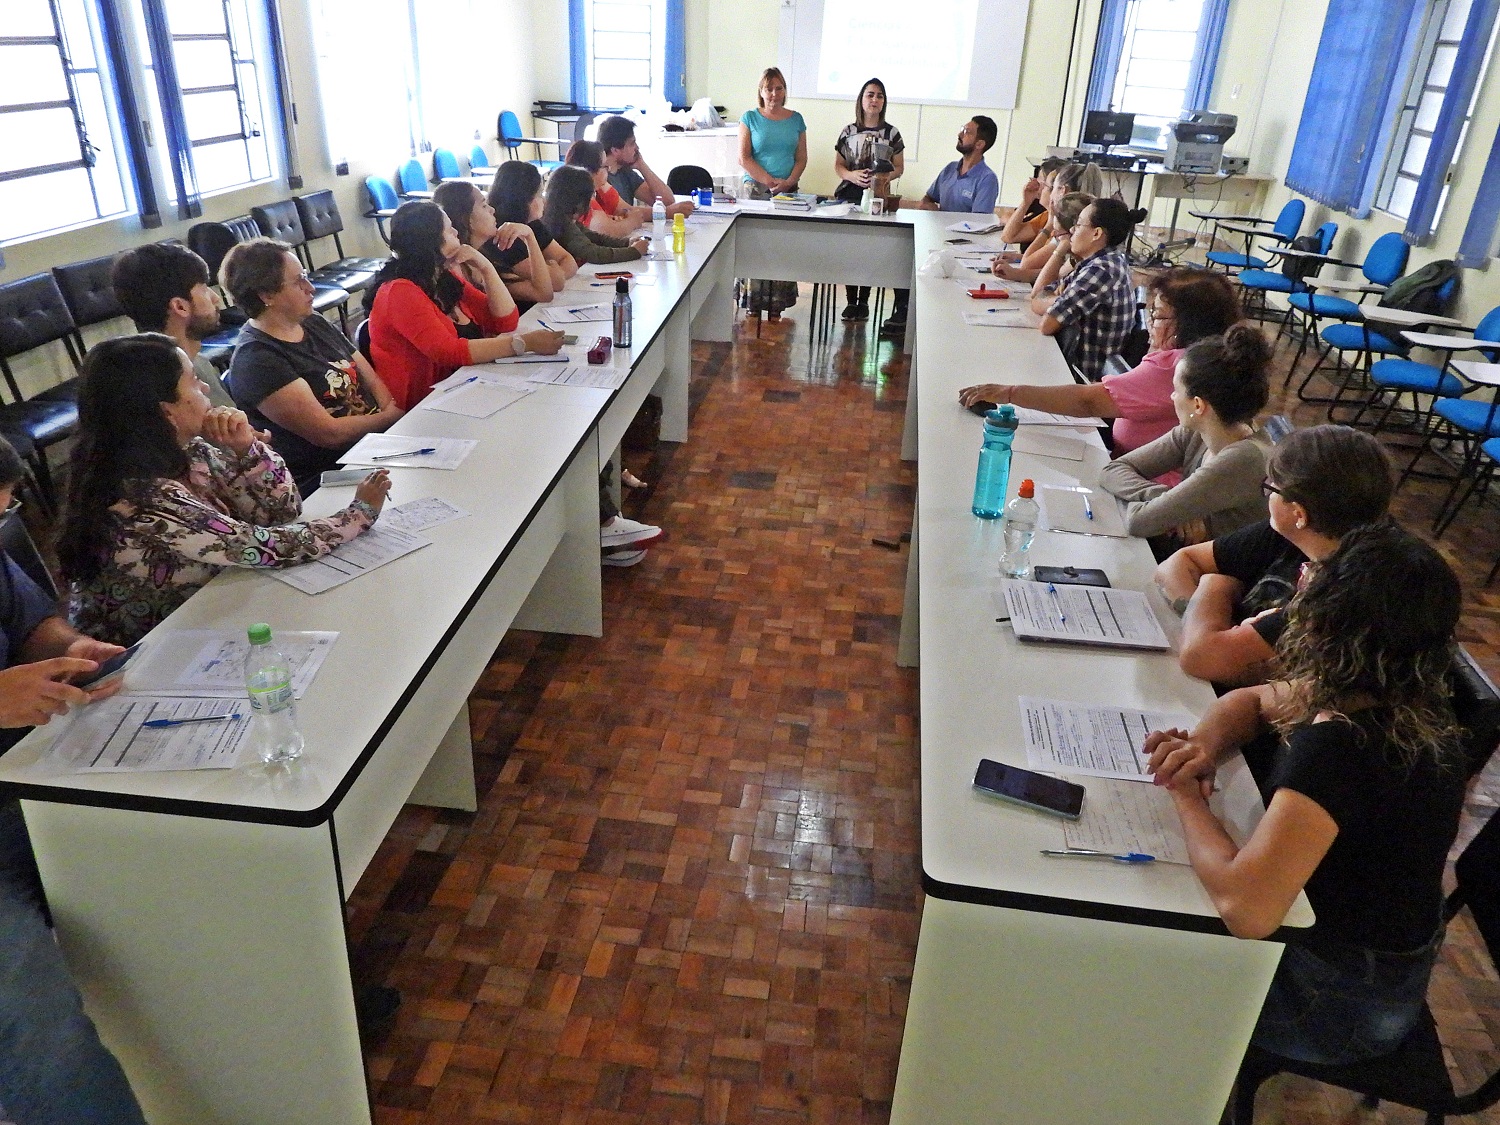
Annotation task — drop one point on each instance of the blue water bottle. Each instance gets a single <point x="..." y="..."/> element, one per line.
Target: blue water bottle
<point x="993" y="475"/>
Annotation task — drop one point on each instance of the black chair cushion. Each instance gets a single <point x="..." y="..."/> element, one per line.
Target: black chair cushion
<point x="19" y="440"/>
<point x="44" y="422"/>
<point x="319" y="212"/>
<point x="688" y="177"/>
<point x="223" y="338"/>
<point x="88" y="291"/>
<point x="32" y="313"/>
<point x="279" y="220"/>
<point x="329" y="298"/>
<point x="351" y="280"/>
<point x="66" y="391"/>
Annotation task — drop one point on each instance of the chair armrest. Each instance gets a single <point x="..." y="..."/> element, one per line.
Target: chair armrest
<point x="1438" y="343"/>
<point x="1339" y="285"/>
<point x="380" y="213"/>
<point x="558" y="141"/>
<point x="416" y="195"/>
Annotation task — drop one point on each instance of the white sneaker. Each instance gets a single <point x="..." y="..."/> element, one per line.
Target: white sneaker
<point x="621" y="532"/>
<point x="623" y="558"/>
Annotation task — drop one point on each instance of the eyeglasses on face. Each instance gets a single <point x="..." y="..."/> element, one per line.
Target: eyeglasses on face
<point x="1267" y="488"/>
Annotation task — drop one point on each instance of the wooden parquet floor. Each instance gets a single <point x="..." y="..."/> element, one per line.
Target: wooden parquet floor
<point x="691" y="892"/>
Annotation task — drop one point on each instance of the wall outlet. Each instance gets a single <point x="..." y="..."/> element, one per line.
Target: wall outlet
<point x="341" y="168"/>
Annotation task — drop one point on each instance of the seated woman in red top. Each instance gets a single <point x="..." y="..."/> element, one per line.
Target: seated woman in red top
<point x="608" y="213"/>
<point x="426" y="321"/>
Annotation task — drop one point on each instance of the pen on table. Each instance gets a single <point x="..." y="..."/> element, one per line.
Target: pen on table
<point x="408" y="453"/>
<point x="1062" y="618"/>
<point x="1088" y="509"/>
<point x="463" y="383"/>
<point x="157" y="723"/>
<point x="1085" y="853"/>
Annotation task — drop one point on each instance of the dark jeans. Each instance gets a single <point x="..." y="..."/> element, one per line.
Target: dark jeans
<point x="860" y="295"/>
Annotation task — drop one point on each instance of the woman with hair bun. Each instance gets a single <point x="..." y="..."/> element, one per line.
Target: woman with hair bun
<point x="1365" y="789"/>
<point x="1219" y="387"/>
<point x="1094" y="309"/>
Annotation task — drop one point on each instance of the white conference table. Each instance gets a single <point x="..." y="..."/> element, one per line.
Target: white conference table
<point x="1044" y="990"/>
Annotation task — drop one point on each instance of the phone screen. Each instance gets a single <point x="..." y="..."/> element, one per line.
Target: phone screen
<point x="113" y="666"/>
<point x="1050" y="794"/>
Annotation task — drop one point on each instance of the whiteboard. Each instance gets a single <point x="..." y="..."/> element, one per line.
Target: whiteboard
<point x="935" y="52"/>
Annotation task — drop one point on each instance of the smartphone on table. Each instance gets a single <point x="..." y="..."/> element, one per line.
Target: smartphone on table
<point x="1034" y="790"/>
<point x="108" y="669"/>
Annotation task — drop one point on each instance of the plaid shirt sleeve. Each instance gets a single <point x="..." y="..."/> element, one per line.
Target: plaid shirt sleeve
<point x="1083" y="291"/>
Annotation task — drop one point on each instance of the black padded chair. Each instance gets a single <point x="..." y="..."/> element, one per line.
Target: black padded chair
<point x="33" y="314"/>
<point x="688" y="177"/>
<point x="319" y="212"/>
<point x="16" y="542"/>
<point x="212" y="241"/>
<point x="281" y="221"/>
<point x="1415" y="1074"/>
<point x="89" y="293"/>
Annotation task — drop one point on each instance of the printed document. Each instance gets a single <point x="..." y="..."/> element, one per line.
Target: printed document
<point x="599" y="377"/>
<point x="478" y="399"/>
<point x="1002" y="318"/>
<point x="1040" y="443"/>
<point x="581" y="314"/>
<point x="1096" y="615"/>
<point x="1027" y="416"/>
<point x="370" y="551"/>
<point x="975" y="226"/>
<point x="211" y="662"/>
<point x="1067" y="509"/>
<point x="393" y="451"/>
<point x="419" y="515"/>
<point x="1096" y="741"/>
<point x="1120" y="817"/>
<point x="107" y="737"/>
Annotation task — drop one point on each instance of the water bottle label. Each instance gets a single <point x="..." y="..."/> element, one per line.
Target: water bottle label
<point x="270" y="700"/>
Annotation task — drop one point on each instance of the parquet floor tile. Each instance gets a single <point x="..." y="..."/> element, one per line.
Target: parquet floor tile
<point x="691" y="892"/>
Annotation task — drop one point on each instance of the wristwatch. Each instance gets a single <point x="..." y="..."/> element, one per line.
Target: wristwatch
<point x="518" y="344"/>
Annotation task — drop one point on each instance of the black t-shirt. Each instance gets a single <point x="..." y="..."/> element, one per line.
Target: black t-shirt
<point x="1380" y="885"/>
<point x="262" y="365"/>
<point x="505" y="261"/>
<point x="1268" y="566"/>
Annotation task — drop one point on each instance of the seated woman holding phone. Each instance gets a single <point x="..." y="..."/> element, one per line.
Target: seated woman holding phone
<point x="164" y="492"/>
<point x="1366" y="792"/>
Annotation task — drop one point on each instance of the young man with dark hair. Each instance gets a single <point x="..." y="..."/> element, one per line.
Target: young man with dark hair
<point x="629" y="174"/>
<point x="163" y="287"/>
<point x="52" y="1065"/>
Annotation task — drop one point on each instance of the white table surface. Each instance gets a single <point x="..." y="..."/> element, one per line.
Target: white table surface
<point x="1475" y="371"/>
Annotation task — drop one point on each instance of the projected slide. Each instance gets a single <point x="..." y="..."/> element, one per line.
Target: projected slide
<point x="923" y="50"/>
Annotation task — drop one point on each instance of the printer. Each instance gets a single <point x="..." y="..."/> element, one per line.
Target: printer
<point x="1196" y="141"/>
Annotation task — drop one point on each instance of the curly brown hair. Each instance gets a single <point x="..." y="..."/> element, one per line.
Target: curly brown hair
<point x="1373" y="628"/>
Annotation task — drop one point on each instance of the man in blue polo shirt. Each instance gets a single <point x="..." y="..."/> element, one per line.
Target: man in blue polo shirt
<point x="967" y="184"/>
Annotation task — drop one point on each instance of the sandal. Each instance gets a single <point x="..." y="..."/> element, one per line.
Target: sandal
<point x="630" y="480"/>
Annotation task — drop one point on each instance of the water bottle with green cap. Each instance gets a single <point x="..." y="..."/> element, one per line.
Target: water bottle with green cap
<point x="274" y="734"/>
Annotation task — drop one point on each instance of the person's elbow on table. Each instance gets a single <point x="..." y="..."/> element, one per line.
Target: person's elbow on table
<point x="1050" y="325"/>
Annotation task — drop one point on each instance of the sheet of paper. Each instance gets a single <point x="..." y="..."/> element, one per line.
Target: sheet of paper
<point x="581" y="314"/>
<point x="529" y="357"/>
<point x="204" y="662"/>
<point x="370" y="551"/>
<point x="1040" y="442"/>
<point x="982" y="279"/>
<point x="1083" y="615"/>
<point x="1027" y="416"/>
<point x="391" y="451"/>
<point x="1095" y="741"/>
<point x="478" y="399"/>
<point x="975" y="226"/>
<point x="660" y="254"/>
<point x="107" y="737"/>
<point x="601" y="377"/>
<point x="419" y="515"/>
<point x="1120" y="817"/>
<point x="1067" y="509"/>
<point x="993" y="316"/>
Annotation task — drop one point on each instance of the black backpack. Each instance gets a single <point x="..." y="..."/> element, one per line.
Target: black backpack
<point x="1299" y="268"/>
<point x="1419" y="292"/>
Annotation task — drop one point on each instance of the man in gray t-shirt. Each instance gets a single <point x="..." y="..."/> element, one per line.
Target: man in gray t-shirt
<point x="629" y="174"/>
<point x="163" y="287"/>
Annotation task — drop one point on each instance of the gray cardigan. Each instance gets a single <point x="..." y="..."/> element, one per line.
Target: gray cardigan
<point x="1223" y="490"/>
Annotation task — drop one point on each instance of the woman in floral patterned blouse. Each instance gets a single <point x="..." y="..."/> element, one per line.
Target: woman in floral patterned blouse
<point x="164" y="492"/>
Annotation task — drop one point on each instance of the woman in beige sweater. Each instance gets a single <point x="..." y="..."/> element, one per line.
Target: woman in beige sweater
<point x="1219" y="387"/>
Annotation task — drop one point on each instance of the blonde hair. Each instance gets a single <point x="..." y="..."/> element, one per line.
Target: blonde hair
<point x="1066" y="210"/>
<point x="771" y="72"/>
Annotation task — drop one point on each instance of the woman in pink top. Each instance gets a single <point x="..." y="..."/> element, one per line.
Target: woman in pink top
<point x="1183" y="307"/>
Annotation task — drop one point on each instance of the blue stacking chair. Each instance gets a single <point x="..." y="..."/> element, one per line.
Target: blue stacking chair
<point x="508" y="131"/>
<point x="1283" y="230"/>
<point x="1258" y="282"/>
<point x="1385" y="262"/>
<point x="383" y="202"/>
<point x="411" y="181"/>
<point x="445" y="166"/>
<point x="479" y="163"/>
<point x="1473" y="423"/>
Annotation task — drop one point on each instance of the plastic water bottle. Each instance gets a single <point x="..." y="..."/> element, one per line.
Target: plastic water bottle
<point x="679" y="234"/>
<point x="993" y="474"/>
<point x="658" y="224"/>
<point x="623" y="313"/>
<point x="274" y="734"/>
<point x="1020" y="529"/>
<point x="867" y="200"/>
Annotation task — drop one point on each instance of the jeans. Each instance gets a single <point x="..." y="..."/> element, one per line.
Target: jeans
<point x="1342" y="1003"/>
<point x="53" y="1068"/>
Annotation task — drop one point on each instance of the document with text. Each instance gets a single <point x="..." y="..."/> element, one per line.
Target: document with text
<point x="110" y="736"/>
<point x="370" y="551"/>
<point x="1096" y="741"/>
<point x="1120" y="817"/>
<point x="1001" y="318"/>
<point x="580" y="314"/>
<point x="408" y="451"/>
<point x="598" y="376"/>
<point x="1081" y="511"/>
<point x="1095" y="615"/>
<point x="478" y="399"/>
<point x="211" y="662"/>
<point x="419" y="515"/>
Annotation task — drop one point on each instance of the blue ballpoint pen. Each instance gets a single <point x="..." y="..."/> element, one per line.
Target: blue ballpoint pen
<point x="1062" y="618"/>
<point x="463" y="383"/>
<point x="408" y="453"/>
<point x="1088" y="509"/>
<point x="1085" y="853"/>
<point x="155" y="724"/>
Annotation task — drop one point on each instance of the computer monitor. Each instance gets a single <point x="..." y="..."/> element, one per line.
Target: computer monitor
<point x="1100" y="127"/>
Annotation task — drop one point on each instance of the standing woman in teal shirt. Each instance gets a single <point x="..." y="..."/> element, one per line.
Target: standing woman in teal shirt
<point x="773" y="153"/>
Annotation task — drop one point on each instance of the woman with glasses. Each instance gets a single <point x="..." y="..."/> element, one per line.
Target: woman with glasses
<point x="1186" y="306"/>
<point x="164" y="492"/>
<point x="1365" y="794"/>
<point x="1220" y="385"/>
<point x="293" y="373"/>
<point x="1320" y="484"/>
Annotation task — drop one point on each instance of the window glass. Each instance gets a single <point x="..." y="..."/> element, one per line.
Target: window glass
<point x="624" y="50"/>
<point x="1155" y="65"/>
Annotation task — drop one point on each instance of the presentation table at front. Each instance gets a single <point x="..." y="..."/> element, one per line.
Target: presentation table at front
<point x="202" y="912"/>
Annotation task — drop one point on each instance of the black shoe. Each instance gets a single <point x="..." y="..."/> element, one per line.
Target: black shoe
<point x="856" y="312"/>
<point x="893" y="328"/>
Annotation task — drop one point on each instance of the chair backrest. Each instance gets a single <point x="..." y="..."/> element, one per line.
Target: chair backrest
<point x="280" y="220"/>
<point x="16" y="542"/>
<point x="1478" y="874"/>
<point x="1489" y="329"/>
<point x="88" y="290"/>
<point x="362" y="339"/>
<point x="688" y="177"/>
<point x="211" y="241"/>
<point x="581" y="126"/>
<point x="382" y="194"/>
<point x="444" y="165"/>
<point x="319" y="213"/>
<point x="478" y="159"/>
<point x="32" y="313"/>
<point x="411" y="177"/>
<point x="1386" y="260"/>
<point x="508" y="130"/>
<point x="1325" y="235"/>
<point x="1289" y="221"/>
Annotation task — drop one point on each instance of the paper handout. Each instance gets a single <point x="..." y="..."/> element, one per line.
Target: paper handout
<point x="1097" y="741"/>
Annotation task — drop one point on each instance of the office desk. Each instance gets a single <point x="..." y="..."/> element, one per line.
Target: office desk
<point x="1044" y="990"/>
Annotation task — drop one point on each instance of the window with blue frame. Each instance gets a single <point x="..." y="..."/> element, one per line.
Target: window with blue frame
<point x="626" y="52"/>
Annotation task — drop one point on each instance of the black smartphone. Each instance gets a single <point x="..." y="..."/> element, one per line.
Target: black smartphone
<point x="1070" y="575"/>
<point x="1034" y="790"/>
<point x="110" y="668"/>
<point x="982" y="408"/>
<point x="958" y="241"/>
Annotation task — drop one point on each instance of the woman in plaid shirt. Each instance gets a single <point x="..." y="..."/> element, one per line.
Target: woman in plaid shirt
<point x="1096" y="303"/>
